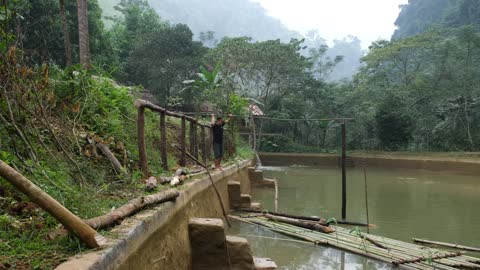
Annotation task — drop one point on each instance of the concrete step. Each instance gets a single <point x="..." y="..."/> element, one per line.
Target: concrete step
<point x="240" y="253"/>
<point x="256" y="206"/>
<point x="257" y="178"/>
<point x="264" y="264"/>
<point x="207" y="240"/>
<point x="245" y="201"/>
<point x="234" y="194"/>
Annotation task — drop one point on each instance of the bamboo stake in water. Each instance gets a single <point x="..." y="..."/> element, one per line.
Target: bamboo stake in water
<point x="366" y="194"/>
<point x="276" y="195"/>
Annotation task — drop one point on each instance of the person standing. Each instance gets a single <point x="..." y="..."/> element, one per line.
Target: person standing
<point x="217" y="126"/>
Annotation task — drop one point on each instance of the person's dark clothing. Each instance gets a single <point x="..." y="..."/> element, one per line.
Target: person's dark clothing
<point x="218" y="140"/>
<point x="218" y="132"/>
<point x="217" y="150"/>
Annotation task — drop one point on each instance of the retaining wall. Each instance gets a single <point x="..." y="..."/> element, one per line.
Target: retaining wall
<point x="157" y="238"/>
<point x="461" y="166"/>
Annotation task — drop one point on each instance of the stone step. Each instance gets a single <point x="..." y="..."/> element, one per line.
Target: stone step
<point x="245" y="201"/>
<point x="207" y="240"/>
<point x="234" y="193"/>
<point x="264" y="264"/>
<point x="256" y="206"/>
<point x="240" y="253"/>
<point x="257" y="178"/>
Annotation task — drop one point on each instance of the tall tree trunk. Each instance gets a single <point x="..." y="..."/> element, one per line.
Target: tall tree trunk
<point x="83" y="36"/>
<point x="66" y="35"/>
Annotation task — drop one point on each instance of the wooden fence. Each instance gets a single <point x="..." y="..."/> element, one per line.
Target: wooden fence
<point x="198" y="145"/>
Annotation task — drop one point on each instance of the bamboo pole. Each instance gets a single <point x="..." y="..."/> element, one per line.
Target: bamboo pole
<point x="276" y="194"/>
<point x="398" y="251"/>
<point x="366" y="194"/>
<point x="73" y="223"/>
<point x="444" y="244"/>
<point x="344" y="173"/>
<point x="163" y="141"/>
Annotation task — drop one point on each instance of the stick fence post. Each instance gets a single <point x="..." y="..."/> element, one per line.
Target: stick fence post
<point x="183" y="157"/>
<point x="203" y="144"/>
<point x="142" y="152"/>
<point x="191" y="144"/>
<point x="163" y="142"/>
<point x="344" y="173"/>
<point x="195" y="141"/>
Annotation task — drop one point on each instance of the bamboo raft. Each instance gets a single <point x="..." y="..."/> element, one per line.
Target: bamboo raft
<point x="401" y="254"/>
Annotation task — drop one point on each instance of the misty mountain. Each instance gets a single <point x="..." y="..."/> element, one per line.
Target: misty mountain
<point x="211" y="21"/>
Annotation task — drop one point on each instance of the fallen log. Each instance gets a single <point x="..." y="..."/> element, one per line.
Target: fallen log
<point x="304" y="224"/>
<point x="444" y="244"/>
<point x="310" y="218"/>
<point x="73" y="223"/>
<point x="421" y="259"/>
<point x="375" y="242"/>
<point x="131" y="207"/>
<point x="117" y="166"/>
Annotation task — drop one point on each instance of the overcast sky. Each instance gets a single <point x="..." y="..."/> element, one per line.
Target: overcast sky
<point x="367" y="19"/>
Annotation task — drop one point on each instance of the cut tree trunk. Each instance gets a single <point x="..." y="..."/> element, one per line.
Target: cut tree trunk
<point x="304" y="224"/>
<point x="117" y="215"/>
<point x="73" y="223"/>
<point x="117" y="166"/>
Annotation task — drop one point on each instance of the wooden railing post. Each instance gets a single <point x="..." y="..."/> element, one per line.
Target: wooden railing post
<point x="183" y="157"/>
<point x="142" y="152"/>
<point x="163" y="142"/>
<point x="191" y="144"/>
<point x="210" y="141"/>
<point x="203" y="144"/>
<point x="195" y="141"/>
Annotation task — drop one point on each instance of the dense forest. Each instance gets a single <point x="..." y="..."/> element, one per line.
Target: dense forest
<point x="416" y="92"/>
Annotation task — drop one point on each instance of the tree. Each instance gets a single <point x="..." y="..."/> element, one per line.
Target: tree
<point x="83" y="34"/>
<point x="162" y="59"/>
<point x="66" y="34"/>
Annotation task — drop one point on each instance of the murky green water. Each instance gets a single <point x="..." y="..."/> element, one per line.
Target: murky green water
<point x="402" y="203"/>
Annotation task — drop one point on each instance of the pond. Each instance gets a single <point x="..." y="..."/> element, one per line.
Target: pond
<point x="403" y="204"/>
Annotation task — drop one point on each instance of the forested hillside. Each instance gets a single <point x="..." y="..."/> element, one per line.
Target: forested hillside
<point x="419" y="15"/>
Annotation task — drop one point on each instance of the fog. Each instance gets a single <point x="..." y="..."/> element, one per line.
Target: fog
<point x="346" y="26"/>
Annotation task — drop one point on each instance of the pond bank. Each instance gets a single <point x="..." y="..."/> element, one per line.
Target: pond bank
<point x="463" y="164"/>
<point x="157" y="238"/>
